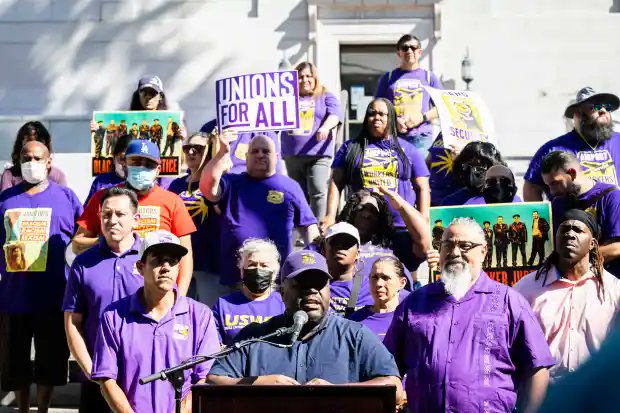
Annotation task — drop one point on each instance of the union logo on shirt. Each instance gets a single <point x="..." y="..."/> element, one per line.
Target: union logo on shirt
<point x="180" y="332"/>
<point x="598" y="165"/>
<point x="275" y="197"/>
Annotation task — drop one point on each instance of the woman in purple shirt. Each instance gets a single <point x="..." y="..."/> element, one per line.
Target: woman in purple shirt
<point x="30" y="131"/>
<point x="308" y="150"/>
<point x="257" y="301"/>
<point x="387" y="283"/>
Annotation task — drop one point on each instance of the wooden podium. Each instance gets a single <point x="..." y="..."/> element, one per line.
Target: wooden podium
<point x="298" y="399"/>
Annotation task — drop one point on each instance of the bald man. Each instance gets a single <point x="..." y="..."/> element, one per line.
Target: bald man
<point x="257" y="203"/>
<point x="39" y="219"/>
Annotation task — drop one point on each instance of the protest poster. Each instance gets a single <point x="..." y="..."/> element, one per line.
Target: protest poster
<point x="161" y="127"/>
<point x="258" y="102"/>
<point x="148" y="219"/>
<point x="464" y="117"/>
<point x="27" y="238"/>
<point x="514" y="232"/>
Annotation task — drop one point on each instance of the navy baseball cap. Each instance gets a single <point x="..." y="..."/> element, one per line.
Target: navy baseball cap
<point x="151" y="81"/>
<point x="144" y="149"/>
<point x="301" y="261"/>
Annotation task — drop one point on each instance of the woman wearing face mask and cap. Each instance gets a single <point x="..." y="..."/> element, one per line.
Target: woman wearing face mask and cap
<point x="499" y="187"/>
<point x="257" y="301"/>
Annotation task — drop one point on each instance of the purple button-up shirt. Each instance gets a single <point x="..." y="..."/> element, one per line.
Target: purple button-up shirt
<point x="468" y="355"/>
<point x="130" y="345"/>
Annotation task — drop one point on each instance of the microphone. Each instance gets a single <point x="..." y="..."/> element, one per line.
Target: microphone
<point x="300" y="318"/>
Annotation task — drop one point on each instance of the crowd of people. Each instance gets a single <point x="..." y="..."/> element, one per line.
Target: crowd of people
<point x="149" y="272"/>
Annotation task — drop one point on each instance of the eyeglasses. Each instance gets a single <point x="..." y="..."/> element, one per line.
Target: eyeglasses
<point x="376" y="113"/>
<point x="464" y="246"/>
<point x="195" y="148"/>
<point x="599" y="106"/>
<point x="406" y="47"/>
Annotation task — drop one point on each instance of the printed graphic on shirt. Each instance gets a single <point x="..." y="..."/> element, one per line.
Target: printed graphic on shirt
<point x="180" y="332"/>
<point x="442" y="162"/>
<point x="598" y="165"/>
<point x="241" y="152"/>
<point x="380" y="168"/>
<point x="408" y="97"/>
<point x="339" y="304"/>
<point x="148" y="219"/>
<point x="27" y="239"/>
<point x="237" y="321"/>
<point x="306" y="118"/>
<point x="196" y="204"/>
<point x="275" y="197"/>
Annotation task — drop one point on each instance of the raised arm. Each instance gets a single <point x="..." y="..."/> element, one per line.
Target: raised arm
<point x="216" y="167"/>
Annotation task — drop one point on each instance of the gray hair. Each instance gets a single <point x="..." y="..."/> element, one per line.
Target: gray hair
<point x="254" y="245"/>
<point x="470" y="222"/>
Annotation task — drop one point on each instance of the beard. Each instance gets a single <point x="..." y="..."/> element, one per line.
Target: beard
<point x="456" y="278"/>
<point x="594" y="131"/>
<point x="573" y="191"/>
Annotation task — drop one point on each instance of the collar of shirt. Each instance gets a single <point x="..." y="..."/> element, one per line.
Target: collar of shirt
<point x="555" y="276"/>
<point x="483" y="285"/>
<point x="180" y="306"/>
<point x="135" y="247"/>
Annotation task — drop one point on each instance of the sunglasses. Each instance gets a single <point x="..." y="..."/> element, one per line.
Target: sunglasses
<point x="195" y="148"/>
<point x="599" y="106"/>
<point x="406" y="47"/>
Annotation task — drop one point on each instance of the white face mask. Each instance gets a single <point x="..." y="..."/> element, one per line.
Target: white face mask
<point x="34" y="172"/>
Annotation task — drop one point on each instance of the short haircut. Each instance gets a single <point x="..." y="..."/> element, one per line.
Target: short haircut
<point x="476" y="228"/>
<point x="536" y="212"/>
<point x="499" y="216"/>
<point x="405" y="38"/>
<point x="253" y="245"/>
<point x="121" y="191"/>
<point x="516" y="216"/>
<point x="486" y="222"/>
<point x="436" y="221"/>
<point x="558" y="160"/>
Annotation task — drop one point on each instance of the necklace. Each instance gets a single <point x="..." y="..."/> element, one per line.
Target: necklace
<point x="594" y="148"/>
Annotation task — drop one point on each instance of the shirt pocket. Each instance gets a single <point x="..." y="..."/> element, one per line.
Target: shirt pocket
<point x="419" y="346"/>
<point x="491" y="349"/>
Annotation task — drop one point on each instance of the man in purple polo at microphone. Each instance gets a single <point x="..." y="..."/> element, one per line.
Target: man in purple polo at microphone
<point x="328" y="350"/>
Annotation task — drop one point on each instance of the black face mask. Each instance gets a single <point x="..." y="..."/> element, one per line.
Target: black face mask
<point x="257" y="280"/>
<point x="476" y="179"/>
<point x="498" y="193"/>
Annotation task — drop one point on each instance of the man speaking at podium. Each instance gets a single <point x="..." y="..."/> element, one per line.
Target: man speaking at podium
<point x="330" y="349"/>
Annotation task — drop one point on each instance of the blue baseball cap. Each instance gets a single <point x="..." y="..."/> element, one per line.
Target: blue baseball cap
<point x="144" y="149"/>
<point x="302" y="261"/>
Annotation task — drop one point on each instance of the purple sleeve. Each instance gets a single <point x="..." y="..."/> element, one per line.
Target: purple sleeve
<point x="105" y="358"/>
<point x="7" y="179"/>
<point x="209" y="343"/>
<point x="394" y="339"/>
<point x="78" y="208"/>
<point x="382" y="87"/>
<point x="303" y="214"/>
<point x="611" y="223"/>
<point x="225" y="185"/>
<point x="218" y="323"/>
<point x="529" y="349"/>
<point x="73" y="300"/>
<point x="341" y="156"/>
<point x="533" y="173"/>
<point x="332" y="105"/>
<point x="435" y="82"/>
<point x="419" y="169"/>
<point x="58" y="176"/>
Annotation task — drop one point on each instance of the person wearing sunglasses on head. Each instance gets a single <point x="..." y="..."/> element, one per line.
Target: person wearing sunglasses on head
<point x="593" y="141"/>
<point x="404" y="87"/>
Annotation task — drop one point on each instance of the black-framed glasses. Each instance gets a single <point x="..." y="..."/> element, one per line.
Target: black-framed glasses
<point x="407" y="47"/>
<point x="598" y="106"/>
<point x="195" y="148"/>
<point x="464" y="246"/>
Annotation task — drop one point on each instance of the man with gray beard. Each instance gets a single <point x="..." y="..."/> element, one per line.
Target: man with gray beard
<point x="593" y="142"/>
<point x="467" y="343"/>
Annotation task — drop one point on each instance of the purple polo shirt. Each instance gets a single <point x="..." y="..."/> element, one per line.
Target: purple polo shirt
<point x="382" y="166"/>
<point x="378" y="323"/>
<point x="340" y="291"/>
<point x="405" y="89"/>
<point x="479" y="200"/>
<point x="467" y="355"/>
<point x="131" y="345"/>
<point x="441" y="180"/>
<point x="35" y="232"/>
<point x="99" y="277"/>
<point x="601" y="163"/>
<point x="235" y="311"/>
<point x="313" y="111"/>
<point x="239" y="149"/>
<point x="259" y="208"/>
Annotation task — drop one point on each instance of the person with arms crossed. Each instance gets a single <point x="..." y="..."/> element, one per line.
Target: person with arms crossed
<point x="38" y="221"/>
<point x="153" y="329"/>
<point x="540" y="235"/>
<point x="101" y="275"/>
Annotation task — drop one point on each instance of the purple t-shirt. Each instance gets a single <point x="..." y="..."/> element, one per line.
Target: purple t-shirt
<point x="130" y="345"/>
<point x="259" y="208"/>
<point x="479" y="200"/>
<point x="99" y="277"/>
<point x="441" y="181"/>
<point x="467" y="355"/>
<point x="600" y="164"/>
<point x="404" y="88"/>
<point x="312" y="113"/>
<point x="383" y="167"/>
<point x="103" y="181"/>
<point x="239" y="149"/>
<point x="206" y="238"/>
<point x="458" y="197"/>
<point x="340" y="291"/>
<point x="35" y="232"/>
<point x="378" y="323"/>
<point x="235" y="311"/>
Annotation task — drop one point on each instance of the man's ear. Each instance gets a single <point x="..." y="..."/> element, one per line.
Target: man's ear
<point x="140" y="267"/>
<point x="572" y="172"/>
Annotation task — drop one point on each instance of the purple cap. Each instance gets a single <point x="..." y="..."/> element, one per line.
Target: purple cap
<point x="302" y="261"/>
<point x="143" y="148"/>
<point x="151" y="81"/>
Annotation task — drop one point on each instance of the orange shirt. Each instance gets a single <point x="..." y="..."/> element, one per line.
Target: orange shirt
<point x="159" y="209"/>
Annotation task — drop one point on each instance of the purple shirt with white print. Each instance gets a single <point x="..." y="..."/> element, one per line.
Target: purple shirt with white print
<point x="469" y="355"/>
<point x="378" y="323"/>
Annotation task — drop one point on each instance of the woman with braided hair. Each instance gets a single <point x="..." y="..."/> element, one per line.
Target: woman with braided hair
<point x="573" y="297"/>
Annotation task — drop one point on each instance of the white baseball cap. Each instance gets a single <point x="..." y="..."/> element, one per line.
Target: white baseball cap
<point x="343" y="228"/>
<point x="162" y="241"/>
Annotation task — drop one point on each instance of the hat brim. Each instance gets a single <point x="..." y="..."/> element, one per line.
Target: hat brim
<point x="301" y="271"/>
<point x="328" y="236"/>
<point x="169" y="247"/>
<point x="141" y="155"/>
<point x="150" y="86"/>
<point x="609" y="98"/>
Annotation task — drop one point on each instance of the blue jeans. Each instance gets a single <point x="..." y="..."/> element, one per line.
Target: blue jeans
<point x="312" y="174"/>
<point x="422" y="141"/>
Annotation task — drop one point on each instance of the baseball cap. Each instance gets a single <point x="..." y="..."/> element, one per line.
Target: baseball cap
<point x="587" y="94"/>
<point x="301" y="261"/>
<point x="154" y="82"/>
<point x="368" y="199"/>
<point x="343" y="228"/>
<point x="143" y="148"/>
<point x="499" y="171"/>
<point x="161" y="240"/>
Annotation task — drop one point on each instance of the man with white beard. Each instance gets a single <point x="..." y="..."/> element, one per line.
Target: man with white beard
<point x="468" y="343"/>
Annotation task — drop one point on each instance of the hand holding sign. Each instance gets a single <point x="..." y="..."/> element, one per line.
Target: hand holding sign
<point x="224" y="139"/>
<point x="432" y="256"/>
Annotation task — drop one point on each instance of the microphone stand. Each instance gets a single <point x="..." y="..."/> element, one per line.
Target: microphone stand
<point x="175" y="375"/>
